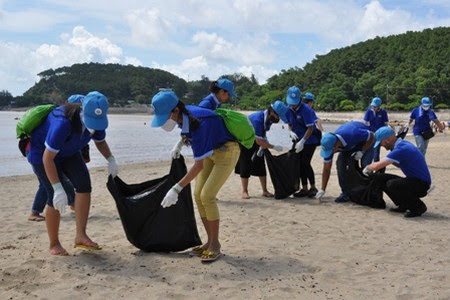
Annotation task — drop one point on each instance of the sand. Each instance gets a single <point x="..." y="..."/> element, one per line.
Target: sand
<point x="274" y="249"/>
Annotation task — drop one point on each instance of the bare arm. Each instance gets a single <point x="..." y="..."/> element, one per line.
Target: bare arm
<point x="50" y="167"/>
<point x="326" y="174"/>
<point x="369" y="142"/>
<point x="103" y="148"/>
<point x="379" y="165"/>
<point x="192" y="173"/>
<point x="308" y="132"/>
<point x="263" y="143"/>
<point x="439" y="125"/>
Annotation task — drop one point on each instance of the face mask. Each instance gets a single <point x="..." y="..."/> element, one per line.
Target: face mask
<point x="91" y="131"/>
<point x="425" y="107"/>
<point x="169" y="125"/>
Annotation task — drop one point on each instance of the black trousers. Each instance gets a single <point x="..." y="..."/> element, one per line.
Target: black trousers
<point x="307" y="172"/>
<point x="403" y="191"/>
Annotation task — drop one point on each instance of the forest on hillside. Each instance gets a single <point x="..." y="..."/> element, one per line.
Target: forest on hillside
<point x="400" y="69"/>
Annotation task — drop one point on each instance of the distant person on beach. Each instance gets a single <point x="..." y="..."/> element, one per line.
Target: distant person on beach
<point x="251" y="161"/>
<point x="352" y="140"/>
<point x="221" y="91"/>
<point x="301" y="119"/>
<point x="55" y="150"/>
<point x="405" y="192"/>
<point x="215" y="155"/>
<point x="422" y="116"/>
<point x="376" y="117"/>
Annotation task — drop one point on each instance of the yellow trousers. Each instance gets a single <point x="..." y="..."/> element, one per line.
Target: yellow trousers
<point x="216" y="170"/>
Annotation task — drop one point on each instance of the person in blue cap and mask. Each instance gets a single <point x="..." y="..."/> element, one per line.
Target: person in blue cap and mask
<point x="250" y="162"/>
<point x="221" y="91"/>
<point x="301" y="119"/>
<point x="351" y="140"/>
<point x="376" y="117"/>
<point x="405" y="192"/>
<point x="215" y="155"/>
<point x="422" y="116"/>
<point x="55" y="151"/>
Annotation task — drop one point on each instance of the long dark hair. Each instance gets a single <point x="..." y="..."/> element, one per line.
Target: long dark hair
<point x="72" y="113"/>
<point x="193" y="121"/>
<point x="213" y="88"/>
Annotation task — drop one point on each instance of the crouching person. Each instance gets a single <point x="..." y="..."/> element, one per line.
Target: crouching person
<point x="405" y="192"/>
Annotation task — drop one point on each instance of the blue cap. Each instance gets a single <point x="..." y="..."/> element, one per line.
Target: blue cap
<point x="382" y="133"/>
<point x="77" y="98"/>
<point x="426" y="101"/>
<point x="162" y="104"/>
<point x="293" y="95"/>
<point x="327" y="142"/>
<point x="95" y="109"/>
<point x="309" y="96"/>
<point x="376" y="102"/>
<point x="226" y="85"/>
<point x="281" y="109"/>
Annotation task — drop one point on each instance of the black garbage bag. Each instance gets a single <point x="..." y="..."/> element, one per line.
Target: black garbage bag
<point x="148" y="225"/>
<point x="362" y="189"/>
<point x="284" y="172"/>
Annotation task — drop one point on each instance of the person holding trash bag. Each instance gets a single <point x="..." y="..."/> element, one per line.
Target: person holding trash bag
<point x="55" y="150"/>
<point x="405" y="192"/>
<point x="251" y="161"/>
<point x="301" y="119"/>
<point x="215" y="153"/>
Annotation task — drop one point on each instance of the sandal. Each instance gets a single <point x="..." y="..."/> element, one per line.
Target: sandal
<point x="90" y="246"/>
<point x="197" y="251"/>
<point x="210" y="256"/>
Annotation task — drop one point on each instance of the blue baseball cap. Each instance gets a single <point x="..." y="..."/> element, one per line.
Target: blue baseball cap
<point x="162" y="104"/>
<point x="382" y="133"/>
<point x="293" y="95"/>
<point x="309" y="96"/>
<point x="376" y="102"/>
<point x="281" y="109"/>
<point x="76" y="98"/>
<point x="226" y="85"/>
<point x="327" y="142"/>
<point x="95" y="109"/>
<point x="426" y="101"/>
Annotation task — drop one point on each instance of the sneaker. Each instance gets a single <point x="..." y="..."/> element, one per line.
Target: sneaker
<point x="398" y="209"/>
<point x="301" y="193"/>
<point x="312" y="192"/>
<point x="412" y="214"/>
<point x="342" y="198"/>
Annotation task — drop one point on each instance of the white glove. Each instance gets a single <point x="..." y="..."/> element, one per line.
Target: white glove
<point x="171" y="197"/>
<point x="113" y="168"/>
<point x="358" y="155"/>
<point x="367" y="171"/>
<point x="320" y="194"/>
<point x="176" y="150"/>
<point x="299" y="146"/>
<point x="59" y="198"/>
<point x="277" y="148"/>
<point x="293" y="136"/>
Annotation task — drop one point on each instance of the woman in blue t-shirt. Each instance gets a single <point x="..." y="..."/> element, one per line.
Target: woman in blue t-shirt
<point x="215" y="153"/>
<point x="55" y="153"/>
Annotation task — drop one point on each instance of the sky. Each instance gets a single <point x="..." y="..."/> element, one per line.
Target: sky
<point x="191" y="38"/>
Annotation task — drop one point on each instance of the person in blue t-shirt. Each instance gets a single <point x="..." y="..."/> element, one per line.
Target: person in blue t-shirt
<point x="422" y="116"/>
<point x="55" y="152"/>
<point x="375" y="118"/>
<point x="215" y="155"/>
<point x="301" y="119"/>
<point x="351" y="140"/>
<point x="251" y="161"/>
<point x="405" y="192"/>
<point x="221" y="91"/>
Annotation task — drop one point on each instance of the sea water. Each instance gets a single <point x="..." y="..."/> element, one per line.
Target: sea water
<point x="130" y="138"/>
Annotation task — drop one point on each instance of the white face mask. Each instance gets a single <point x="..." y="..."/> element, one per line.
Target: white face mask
<point x="425" y="107"/>
<point x="91" y="131"/>
<point x="169" y="125"/>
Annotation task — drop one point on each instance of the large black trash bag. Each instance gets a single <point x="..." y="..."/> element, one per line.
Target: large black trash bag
<point x="362" y="189"/>
<point x="284" y="172"/>
<point x="148" y="225"/>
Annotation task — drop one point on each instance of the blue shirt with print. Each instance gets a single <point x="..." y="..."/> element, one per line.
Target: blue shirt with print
<point x="260" y="124"/>
<point x="376" y="119"/>
<point x="210" y="102"/>
<point x="422" y="119"/>
<point x="56" y="135"/>
<point x="410" y="160"/>
<point x="211" y="134"/>
<point x="301" y="118"/>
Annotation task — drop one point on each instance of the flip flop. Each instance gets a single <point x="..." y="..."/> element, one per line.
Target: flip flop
<point x="93" y="247"/>
<point x="197" y="251"/>
<point x="210" y="256"/>
<point x="36" y="218"/>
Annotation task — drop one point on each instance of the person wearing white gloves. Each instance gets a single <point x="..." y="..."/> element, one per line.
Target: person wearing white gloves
<point x="301" y="119"/>
<point x="215" y="155"/>
<point x="351" y="140"/>
<point x="55" y="152"/>
<point x="251" y="161"/>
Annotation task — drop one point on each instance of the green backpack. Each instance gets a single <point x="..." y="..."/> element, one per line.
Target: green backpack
<point x="32" y="119"/>
<point x="238" y="125"/>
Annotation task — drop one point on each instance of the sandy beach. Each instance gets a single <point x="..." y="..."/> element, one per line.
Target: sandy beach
<point x="274" y="249"/>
